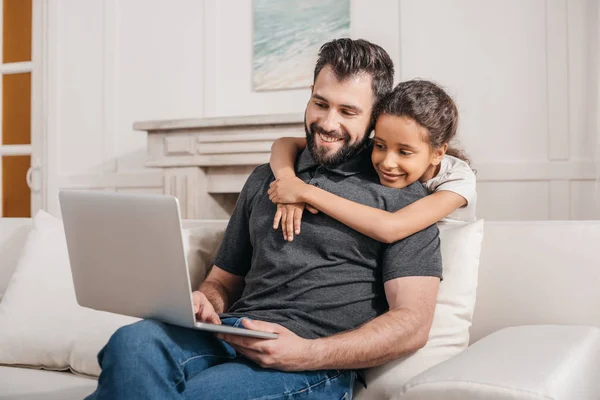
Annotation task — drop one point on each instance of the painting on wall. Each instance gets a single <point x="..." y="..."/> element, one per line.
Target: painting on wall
<point x="287" y="38"/>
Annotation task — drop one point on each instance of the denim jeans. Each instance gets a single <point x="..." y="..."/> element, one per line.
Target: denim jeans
<point x="153" y="360"/>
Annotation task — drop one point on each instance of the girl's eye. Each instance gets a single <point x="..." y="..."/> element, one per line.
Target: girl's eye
<point x="405" y="153"/>
<point x="379" y="146"/>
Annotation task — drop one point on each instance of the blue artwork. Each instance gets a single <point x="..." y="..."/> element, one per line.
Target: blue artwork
<point x="287" y="38"/>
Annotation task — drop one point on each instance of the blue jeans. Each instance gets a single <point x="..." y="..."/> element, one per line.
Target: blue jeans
<point x="153" y="360"/>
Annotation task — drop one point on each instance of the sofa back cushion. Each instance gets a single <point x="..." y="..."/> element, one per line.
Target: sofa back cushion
<point x="545" y="272"/>
<point x="13" y="233"/>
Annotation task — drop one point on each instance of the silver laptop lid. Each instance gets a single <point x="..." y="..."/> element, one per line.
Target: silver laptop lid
<point x="126" y="254"/>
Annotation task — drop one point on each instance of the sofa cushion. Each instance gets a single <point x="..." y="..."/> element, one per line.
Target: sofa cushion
<point x="449" y="335"/>
<point x="525" y="362"/>
<point x="13" y="233"/>
<point x="33" y="384"/>
<point x="42" y="324"/>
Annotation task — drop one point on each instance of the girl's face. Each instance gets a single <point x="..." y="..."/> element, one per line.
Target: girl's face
<point x="401" y="154"/>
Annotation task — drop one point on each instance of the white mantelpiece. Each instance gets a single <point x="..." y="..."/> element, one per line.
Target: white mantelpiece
<point x="202" y="159"/>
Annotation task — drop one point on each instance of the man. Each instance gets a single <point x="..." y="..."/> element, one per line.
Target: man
<point x="339" y="300"/>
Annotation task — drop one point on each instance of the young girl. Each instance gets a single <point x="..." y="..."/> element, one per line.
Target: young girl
<point x="415" y="123"/>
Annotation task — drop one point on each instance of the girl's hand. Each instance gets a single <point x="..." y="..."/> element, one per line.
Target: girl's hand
<point x="287" y="190"/>
<point x="290" y="216"/>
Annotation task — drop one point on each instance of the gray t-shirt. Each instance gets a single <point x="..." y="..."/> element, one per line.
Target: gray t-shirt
<point x="329" y="279"/>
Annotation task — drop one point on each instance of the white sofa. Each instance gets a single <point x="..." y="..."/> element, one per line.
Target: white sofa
<point x="543" y="276"/>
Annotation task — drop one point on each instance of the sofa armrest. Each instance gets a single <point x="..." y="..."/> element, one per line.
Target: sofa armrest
<point x="525" y="362"/>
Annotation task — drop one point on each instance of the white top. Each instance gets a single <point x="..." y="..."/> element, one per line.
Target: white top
<point x="456" y="176"/>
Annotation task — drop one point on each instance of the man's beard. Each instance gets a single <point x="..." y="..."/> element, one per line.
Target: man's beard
<point x="322" y="156"/>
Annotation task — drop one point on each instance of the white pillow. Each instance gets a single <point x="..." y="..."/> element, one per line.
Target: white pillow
<point x="449" y="335"/>
<point x="201" y="244"/>
<point x="42" y="324"/>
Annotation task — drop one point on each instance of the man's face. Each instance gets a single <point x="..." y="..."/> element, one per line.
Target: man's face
<point x="338" y="116"/>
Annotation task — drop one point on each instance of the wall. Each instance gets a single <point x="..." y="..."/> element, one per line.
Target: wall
<point x="523" y="73"/>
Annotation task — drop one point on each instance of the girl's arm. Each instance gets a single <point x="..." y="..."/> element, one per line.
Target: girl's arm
<point x="380" y="225"/>
<point x="284" y="152"/>
<point x="283" y="155"/>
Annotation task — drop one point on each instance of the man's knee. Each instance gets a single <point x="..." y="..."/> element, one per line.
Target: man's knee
<point x="135" y="340"/>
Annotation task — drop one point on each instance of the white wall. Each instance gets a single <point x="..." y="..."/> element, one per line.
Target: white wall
<point x="524" y="74"/>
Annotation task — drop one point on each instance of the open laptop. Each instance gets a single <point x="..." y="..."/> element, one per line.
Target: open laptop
<point x="127" y="257"/>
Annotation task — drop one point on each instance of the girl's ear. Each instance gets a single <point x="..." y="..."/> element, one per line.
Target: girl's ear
<point x="439" y="153"/>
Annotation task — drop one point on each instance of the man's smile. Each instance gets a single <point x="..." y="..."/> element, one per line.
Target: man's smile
<point x="329" y="139"/>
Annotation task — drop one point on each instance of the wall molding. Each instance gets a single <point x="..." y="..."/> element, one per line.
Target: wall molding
<point x="559" y="198"/>
<point x="210" y="51"/>
<point x="535" y="171"/>
<point x="557" y="61"/>
<point x="110" y="100"/>
<point x="148" y="179"/>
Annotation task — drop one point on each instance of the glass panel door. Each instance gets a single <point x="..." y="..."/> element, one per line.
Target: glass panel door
<point x="15" y="129"/>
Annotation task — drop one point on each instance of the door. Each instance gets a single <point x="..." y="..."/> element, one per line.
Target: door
<point x="20" y="150"/>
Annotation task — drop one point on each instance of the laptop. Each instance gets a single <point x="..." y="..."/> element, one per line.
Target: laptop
<point x="127" y="257"/>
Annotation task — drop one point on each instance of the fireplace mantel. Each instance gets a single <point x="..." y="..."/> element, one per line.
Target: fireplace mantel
<point x="203" y="159"/>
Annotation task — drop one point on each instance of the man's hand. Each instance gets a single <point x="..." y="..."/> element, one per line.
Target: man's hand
<point x="204" y="309"/>
<point x="289" y="352"/>
<point x="289" y="189"/>
<point x="290" y="216"/>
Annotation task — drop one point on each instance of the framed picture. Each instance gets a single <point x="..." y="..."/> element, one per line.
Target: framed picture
<point x="287" y="37"/>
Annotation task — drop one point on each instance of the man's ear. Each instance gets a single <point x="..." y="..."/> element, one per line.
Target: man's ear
<point x="439" y="153"/>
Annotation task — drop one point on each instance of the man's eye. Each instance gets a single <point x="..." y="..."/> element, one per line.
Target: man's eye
<point x="321" y="105"/>
<point x="348" y="113"/>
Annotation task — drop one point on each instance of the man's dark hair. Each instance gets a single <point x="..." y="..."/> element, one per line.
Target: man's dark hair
<point x="349" y="58"/>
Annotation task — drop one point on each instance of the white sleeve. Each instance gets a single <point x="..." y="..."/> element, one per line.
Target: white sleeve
<point x="459" y="179"/>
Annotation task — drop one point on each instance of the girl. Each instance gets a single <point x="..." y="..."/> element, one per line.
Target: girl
<point x="414" y="125"/>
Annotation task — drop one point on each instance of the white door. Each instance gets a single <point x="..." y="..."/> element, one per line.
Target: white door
<point x="21" y="127"/>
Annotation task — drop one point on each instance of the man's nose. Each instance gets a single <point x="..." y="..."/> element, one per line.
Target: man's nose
<point x="331" y="122"/>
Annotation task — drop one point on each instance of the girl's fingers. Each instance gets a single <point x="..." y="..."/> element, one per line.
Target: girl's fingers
<point x="297" y="219"/>
<point x="311" y="209"/>
<point x="290" y="223"/>
<point x="284" y="217"/>
<point x="277" y="218"/>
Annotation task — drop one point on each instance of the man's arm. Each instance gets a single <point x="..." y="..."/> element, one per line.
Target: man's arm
<point x="411" y="272"/>
<point x="222" y="288"/>
<point x="402" y="330"/>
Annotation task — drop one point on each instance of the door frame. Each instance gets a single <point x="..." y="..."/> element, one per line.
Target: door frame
<point x="37" y="67"/>
<point x="37" y="175"/>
